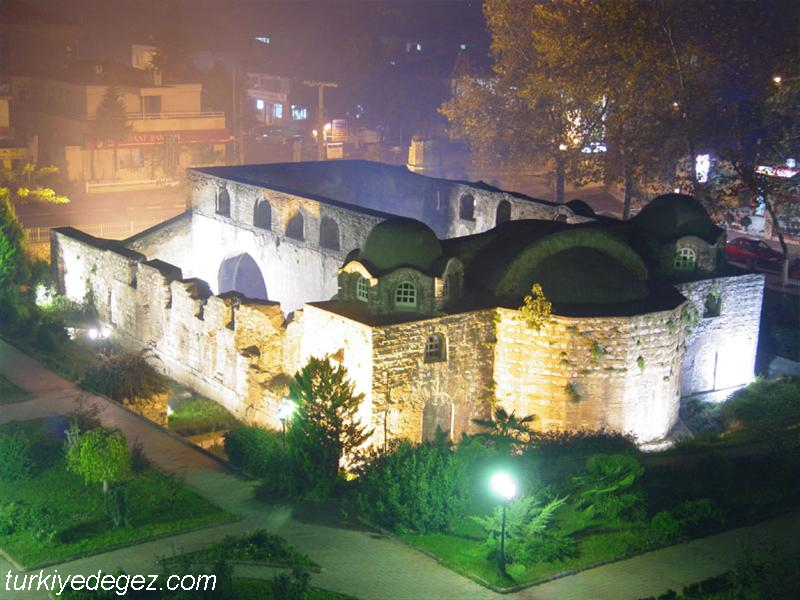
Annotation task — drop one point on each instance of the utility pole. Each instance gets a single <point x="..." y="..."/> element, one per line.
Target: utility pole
<point x="236" y="126"/>
<point x="320" y="85"/>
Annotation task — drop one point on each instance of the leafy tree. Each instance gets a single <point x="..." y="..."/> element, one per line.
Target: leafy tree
<point x="507" y="431"/>
<point x="531" y="534"/>
<point x="607" y="490"/>
<point x="526" y="109"/>
<point x="111" y="121"/>
<point x="100" y="456"/>
<point x="325" y="428"/>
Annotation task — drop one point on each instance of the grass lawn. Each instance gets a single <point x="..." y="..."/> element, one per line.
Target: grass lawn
<point x="193" y="414"/>
<point x="74" y="513"/>
<point x="463" y="551"/>
<point x="10" y="393"/>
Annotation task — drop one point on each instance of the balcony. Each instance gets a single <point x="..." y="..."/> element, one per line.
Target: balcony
<point x="176" y="121"/>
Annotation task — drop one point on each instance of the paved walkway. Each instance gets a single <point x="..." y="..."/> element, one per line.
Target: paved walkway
<point x="354" y="561"/>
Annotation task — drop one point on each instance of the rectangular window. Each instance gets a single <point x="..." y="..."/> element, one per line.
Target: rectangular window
<point x="299" y="113"/>
<point x="277" y="110"/>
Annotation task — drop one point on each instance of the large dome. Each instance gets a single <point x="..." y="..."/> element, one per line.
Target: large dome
<point x="401" y="242"/>
<point x="673" y="216"/>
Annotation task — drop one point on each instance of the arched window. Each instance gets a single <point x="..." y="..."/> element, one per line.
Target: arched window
<point x="435" y="348"/>
<point x="329" y="233"/>
<point x="685" y="259"/>
<point x="712" y="307"/>
<point x="294" y="228"/>
<point x="362" y="289"/>
<point x="466" y="209"/>
<point x="262" y="214"/>
<point x="223" y="203"/>
<point x="503" y="214"/>
<point x="405" y="296"/>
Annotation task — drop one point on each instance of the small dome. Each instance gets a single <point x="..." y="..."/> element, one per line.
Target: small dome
<point x="673" y="216"/>
<point x="401" y="242"/>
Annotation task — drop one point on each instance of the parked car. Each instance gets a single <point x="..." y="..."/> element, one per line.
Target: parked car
<point x="753" y="253"/>
<point x="794" y="269"/>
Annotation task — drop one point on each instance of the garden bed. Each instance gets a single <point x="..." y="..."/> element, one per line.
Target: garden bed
<point x="10" y="393"/>
<point x="67" y="519"/>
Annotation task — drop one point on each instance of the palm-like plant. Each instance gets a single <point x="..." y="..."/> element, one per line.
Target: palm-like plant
<point x="507" y="430"/>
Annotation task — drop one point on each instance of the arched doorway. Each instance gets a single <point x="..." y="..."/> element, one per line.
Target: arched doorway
<point x="503" y="214"/>
<point x="437" y="414"/>
<point x="241" y="274"/>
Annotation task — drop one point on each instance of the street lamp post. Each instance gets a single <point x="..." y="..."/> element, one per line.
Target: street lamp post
<point x="504" y="486"/>
<point x="285" y="411"/>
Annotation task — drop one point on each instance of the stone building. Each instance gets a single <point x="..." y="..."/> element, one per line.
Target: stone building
<point x="414" y="284"/>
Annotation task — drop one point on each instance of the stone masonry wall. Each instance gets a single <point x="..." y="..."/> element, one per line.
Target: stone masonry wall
<point x="170" y="241"/>
<point x="226" y="347"/>
<point x="620" y="373"/>
<point x="721" y="350"/>
<point x="294" y="271"/>
<point x="411" y="396"/>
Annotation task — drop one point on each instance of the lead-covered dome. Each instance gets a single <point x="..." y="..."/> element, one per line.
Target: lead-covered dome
<point x="401" y="242"/>
<point x="672" y="216"/>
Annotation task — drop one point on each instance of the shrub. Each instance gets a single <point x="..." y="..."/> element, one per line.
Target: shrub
<point x="15" y="456"/>
<point x="261" y="453"/>
<point x="294" y="587"/>
<point x="765" y="406"/>
<point x="50" y="334"/>
<point x="664" y="528"/>
<point x="607" y="490"/>
<point x="125" y="376"/>
<point x="40" y="521"/>
<point x="419" y="488"/>
<point x="531" y="534"/>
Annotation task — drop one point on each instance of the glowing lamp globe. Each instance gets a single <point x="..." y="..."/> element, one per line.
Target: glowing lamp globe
<point x="503" y="485"/>
<point x="285" y="410"/>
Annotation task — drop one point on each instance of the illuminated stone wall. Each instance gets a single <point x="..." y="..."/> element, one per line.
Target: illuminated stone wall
<point x="421" y="394"/>
<point x="620" y="373"/>
<point x="721" y="349"/>
<point x="226" y="347"/>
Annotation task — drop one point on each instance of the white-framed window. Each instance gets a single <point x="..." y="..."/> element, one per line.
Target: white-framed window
<point x="685" y="259"/>
<point x="405" y="296"/>
<point x="362" y="289"/>
<point x="435" y="348"/>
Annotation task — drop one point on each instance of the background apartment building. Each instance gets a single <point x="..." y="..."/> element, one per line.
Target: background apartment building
<point x="167" y="128"/>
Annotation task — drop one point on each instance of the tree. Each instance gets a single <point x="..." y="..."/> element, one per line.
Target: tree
<point x="325" y="427"/>
<point x="100" y="456"/>
<point x="507" y="431"/>
<point x="531" y="534"/>
<point x="111" y="122"/>
<point x="527" y="108"/>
